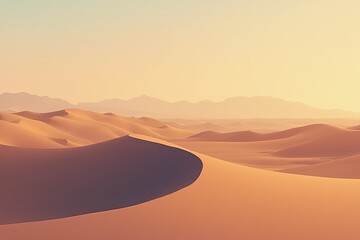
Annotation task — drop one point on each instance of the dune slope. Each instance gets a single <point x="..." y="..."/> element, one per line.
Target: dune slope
<point x="348" y="167"/>
<point x="40" y="184"/>
<point x="342" y="144"/>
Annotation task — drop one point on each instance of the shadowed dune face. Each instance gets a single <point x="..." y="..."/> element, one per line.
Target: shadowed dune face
<point x="41" y="184"/>
<point x="42" y="116"/>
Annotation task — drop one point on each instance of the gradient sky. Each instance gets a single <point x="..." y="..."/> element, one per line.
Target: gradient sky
<point x="83" y="50"/>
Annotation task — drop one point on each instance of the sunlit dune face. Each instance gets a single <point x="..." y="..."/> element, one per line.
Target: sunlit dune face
<point x="73" y="128"/>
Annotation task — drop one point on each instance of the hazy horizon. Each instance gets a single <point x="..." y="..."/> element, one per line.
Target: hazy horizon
<point x="174" y="101"/>
<point x="194" y="50"/>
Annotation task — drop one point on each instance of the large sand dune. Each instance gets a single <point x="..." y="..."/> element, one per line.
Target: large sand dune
<point x="141" y="187"/>
<point x="228" y="201"/>
<point x="39" y="184"/>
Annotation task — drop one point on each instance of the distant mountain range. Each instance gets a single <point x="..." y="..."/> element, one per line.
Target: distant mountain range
<point x="24" y="101"/>
<point x="236" y="107"/>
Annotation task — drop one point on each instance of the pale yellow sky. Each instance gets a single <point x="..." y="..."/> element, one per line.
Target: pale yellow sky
<point x="80" y="50"/>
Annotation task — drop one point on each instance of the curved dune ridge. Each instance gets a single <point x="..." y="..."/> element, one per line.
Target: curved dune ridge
<point x="227" y="201"/>
<point x="73" y="127"/>
<point x="41" y="184"/>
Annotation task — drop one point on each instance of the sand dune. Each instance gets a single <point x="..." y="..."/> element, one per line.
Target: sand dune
<point x="72" y="127"/>
<point x="341" y="144"/>
<point x="200" y="127"/>
<point x="315" y="130"/>
<point x="228" y="201"/>
<point x="40" y="184"/>
<point x="16" y="133"/>
<point x="42" y="116"/>
<point x="340" y="168"/>
<point x="357" y="127"/>
<point x="291" y="150"/>
<point x="261" y="125"/>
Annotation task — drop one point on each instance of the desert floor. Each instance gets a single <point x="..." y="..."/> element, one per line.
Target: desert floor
<point x="76" y="174"/>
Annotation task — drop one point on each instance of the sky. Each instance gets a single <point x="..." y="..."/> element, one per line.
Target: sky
<point x="87" y="50"/>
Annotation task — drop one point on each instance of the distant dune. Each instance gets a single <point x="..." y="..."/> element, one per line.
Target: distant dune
<point x="72" y="127"/>
<point x="40" y="184"/>
<point x="318" y="149"/>
<point x="199" y="127"/>
<point x="310" y="131"/>
<point x="340" y="168"/>
<point x="355" y="127"/>
<point x="340" y="144"/>
<point x="259" y="125"/>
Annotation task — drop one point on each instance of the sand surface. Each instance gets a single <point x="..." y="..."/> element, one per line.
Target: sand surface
<point x="228" y="201"/>
<point x="74" y="127"/>
<point x="184" y="185"/>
